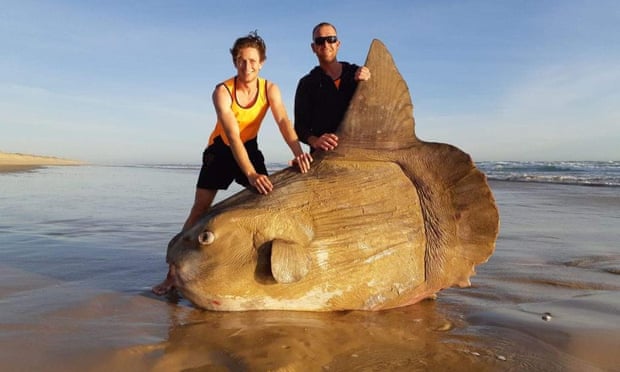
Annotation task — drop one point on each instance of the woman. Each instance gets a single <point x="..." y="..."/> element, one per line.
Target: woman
<point x="241" y="103"/>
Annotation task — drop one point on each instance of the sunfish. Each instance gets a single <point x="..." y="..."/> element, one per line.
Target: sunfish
<point x="383" y="221"/>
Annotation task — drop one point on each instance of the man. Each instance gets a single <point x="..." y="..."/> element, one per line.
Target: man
<point x="241" y="103"/>
<point x="323" y="95"/>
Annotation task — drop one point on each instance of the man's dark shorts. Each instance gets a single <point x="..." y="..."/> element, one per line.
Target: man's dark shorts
<point x="219" y="167"/>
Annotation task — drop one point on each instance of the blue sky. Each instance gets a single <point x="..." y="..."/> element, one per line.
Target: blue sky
<point x="131" y="81"/>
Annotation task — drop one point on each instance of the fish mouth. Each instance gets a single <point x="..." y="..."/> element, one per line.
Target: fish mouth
<point x="176" y="279"/>
<point x="176" y="271"/>
<point x="173" y="281"/>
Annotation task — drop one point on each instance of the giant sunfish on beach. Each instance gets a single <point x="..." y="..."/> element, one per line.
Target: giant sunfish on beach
<point x="385" y="220"/>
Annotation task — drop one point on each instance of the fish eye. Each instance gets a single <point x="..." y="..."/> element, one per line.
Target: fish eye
<point x="206" y="237"/>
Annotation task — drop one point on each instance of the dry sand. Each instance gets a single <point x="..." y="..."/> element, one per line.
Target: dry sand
<point x="16" y="162"/>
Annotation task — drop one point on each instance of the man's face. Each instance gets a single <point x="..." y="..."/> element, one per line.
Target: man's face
<point x="326" y="51"/>
<point x="248" y="64"/>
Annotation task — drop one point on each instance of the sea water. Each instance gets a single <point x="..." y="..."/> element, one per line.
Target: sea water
<point x="591" y="173"/>
<point x="81" y="247"/>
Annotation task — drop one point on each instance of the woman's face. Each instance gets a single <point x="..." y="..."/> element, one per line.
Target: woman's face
<point x="248" y="64"/>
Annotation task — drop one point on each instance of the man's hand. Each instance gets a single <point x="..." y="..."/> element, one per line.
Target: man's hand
<point x="327" y="141"/>
<point x="362" y="74"/>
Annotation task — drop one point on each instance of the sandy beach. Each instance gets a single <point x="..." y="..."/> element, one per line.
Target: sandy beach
<point x="75" y="289"/>
<point x="16" y="162"/>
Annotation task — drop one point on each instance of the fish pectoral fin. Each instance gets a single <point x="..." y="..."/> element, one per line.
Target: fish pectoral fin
<point x="289" y="261"/>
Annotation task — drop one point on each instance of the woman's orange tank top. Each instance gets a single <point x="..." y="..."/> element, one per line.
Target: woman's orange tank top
<point x="249" y="118"/>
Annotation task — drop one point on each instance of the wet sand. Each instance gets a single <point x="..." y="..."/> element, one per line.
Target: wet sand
<point x="547" y="300"/>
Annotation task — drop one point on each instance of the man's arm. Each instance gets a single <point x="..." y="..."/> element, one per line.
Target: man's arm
<point x="327" y="141"/>
<point x="302" y="112"/>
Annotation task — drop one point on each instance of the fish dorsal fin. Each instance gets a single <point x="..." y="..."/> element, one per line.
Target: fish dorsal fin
<point x="380" y="115"/>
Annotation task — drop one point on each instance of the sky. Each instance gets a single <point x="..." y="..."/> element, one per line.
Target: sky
<point x="124" y="82"/>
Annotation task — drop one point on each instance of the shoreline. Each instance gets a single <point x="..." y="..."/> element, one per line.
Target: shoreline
<point x="17" y="162"/>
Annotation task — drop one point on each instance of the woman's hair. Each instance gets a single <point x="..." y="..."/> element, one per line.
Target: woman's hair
<point x="251" y="40"/>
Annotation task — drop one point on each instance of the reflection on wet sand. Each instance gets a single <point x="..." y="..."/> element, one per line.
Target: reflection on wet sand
<point x="432" y="335"/>
<point x="408" y="338"/>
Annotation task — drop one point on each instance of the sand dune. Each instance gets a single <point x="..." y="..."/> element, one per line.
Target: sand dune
<point x="11" y="162"/>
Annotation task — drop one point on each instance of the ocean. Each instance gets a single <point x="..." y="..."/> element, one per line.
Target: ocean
<point x="589" y="173"/>
<point x="81" y="247"/>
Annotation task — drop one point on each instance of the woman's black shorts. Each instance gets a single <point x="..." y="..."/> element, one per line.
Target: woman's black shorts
<point x="219" y="167"/>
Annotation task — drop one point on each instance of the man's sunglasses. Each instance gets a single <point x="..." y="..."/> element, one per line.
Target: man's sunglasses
<point x="322" y="39"/>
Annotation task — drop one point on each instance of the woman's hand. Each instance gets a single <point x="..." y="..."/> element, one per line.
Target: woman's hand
<point x="261" y="183"/>
<point x="303" y="162"/>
